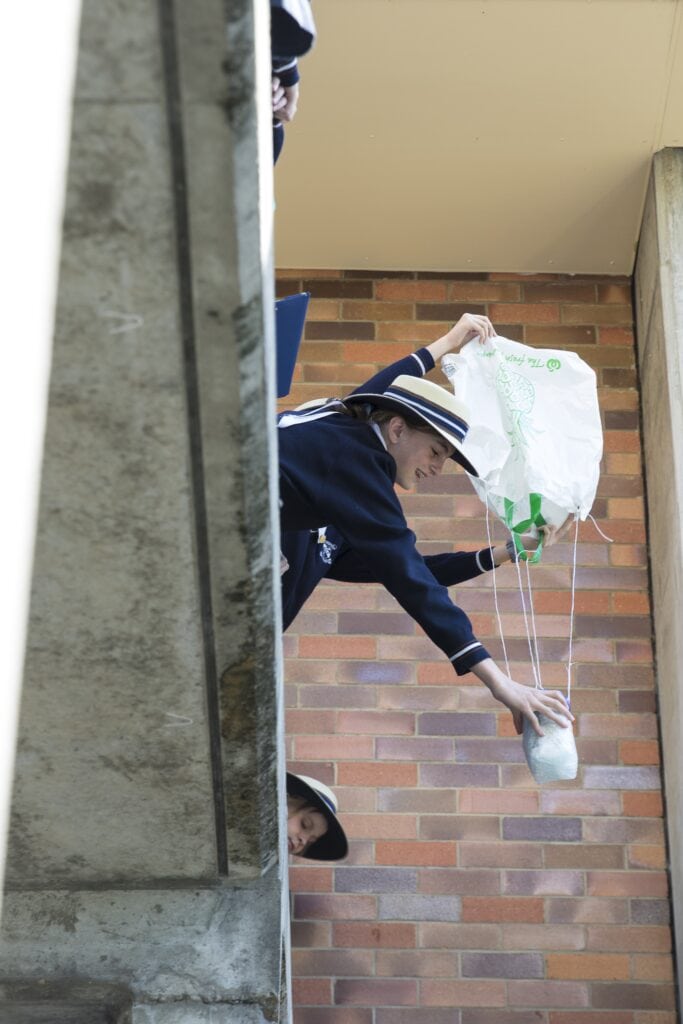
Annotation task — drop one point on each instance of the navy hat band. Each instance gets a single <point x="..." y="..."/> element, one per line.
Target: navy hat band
<point x="438" y="415"/>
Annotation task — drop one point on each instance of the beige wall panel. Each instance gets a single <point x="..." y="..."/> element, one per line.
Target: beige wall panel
<point x="509" y="135"/>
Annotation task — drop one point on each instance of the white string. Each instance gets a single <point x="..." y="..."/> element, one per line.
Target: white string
<point x="603" y="535"/>
<point x="495" y="588"/>
<point x="537" y="681"/>
<point x="533" y="622"/>
<point x="571" y="611"/>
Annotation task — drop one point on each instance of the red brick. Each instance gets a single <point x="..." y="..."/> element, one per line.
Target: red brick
<point x="436" y="992"/>
<point x="376" y="774"/>
<point x="311" y="934"/>
<point x="333" y="1015"/>
<point x="504" y="908"/>
<point x="308" y="748"/>
<point x="483" y="291"/>
<point x="639" y="751"/>
<point x="368" y="310"/>
<point x="652" y="967"/>
<point x="411" y="291"/>
<point x="415" y="334"/>
<point x="634" y="939"/>
<point x="414" y="964"/>
<point x="653" y="857"/>
<point x="483" y="801"/>
<point x="543" y="936"/>
<point x="306" y="878"/>
<point x="524" y="313"/>
<point x="588" y="966"/>
<point x="311" y="991"/>
<point x="618" y="293"/>
<point x="590" y="1017"/>
<point x="376" y="722"/>
<point x="458" y="881"/>
<point x="587" y="314"/>
<point x="500" y="855"/>
<point x="559" y="292"/>
<point x="298" y="721"/>
<point x="547" y="993"/>
<point x="432" y="854"/>
<point x="372" y="935"/>
<point x="380" y="826"/>
<point x="333" y="906"/>
<point x="439" y="935"/>
<point x="627" y="884"/>
<point x="588" y="910"/>
<point x="337" y="647"/>
<point x="325" y="962"/>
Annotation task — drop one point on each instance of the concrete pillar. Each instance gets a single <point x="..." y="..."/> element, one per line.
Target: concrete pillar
<point x="659" y="318"/>
<point x="145" y="854"/>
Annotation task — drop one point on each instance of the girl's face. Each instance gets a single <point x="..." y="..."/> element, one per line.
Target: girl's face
<point x="418" y="454"/>
<point x="304" y="825"/>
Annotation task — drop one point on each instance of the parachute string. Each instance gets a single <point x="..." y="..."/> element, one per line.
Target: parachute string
<point x="571" y="612"/>
<point x="495" y="588"/>
<point x="537" y="681"/>
<point x="533" y="622"/>
<point x="603" y="535"/>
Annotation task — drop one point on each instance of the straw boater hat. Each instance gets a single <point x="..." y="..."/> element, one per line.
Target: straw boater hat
<point x="441" y="410"/>
<point x="333" y="845"/>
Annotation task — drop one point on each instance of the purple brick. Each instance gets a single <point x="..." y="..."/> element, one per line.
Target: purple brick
<point x="425" y="801"/>
<point x="629" y="996"/>
<point x="375" y="879"/>
<point x="636" y="701"/>
<point x="395" y="623"/>
<point x="375" y="672"/>
<point x="598" y="777"/>
<point x="457" y="724"/>
<point x="502" y="965"/>
<point x="355" y="697"/>
<point x="350" y="991"/>
<point x="389" y="748"/>
<point x="544" y="883"/>
<point x="650" y="911"/>
<point x="549" y="830"/>
<point x="509" y="751"/>
<point x="455" y="826"/>
<point x="456" y="776"/>
<point x="571" y="911"/>
<point x="613" y="625"/>
<point x="623" y="830"/>
<point x="419" y="908"/>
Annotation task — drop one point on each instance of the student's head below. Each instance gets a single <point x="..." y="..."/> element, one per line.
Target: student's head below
<point x="422" y="424"/>
<point x="313" y="830"/>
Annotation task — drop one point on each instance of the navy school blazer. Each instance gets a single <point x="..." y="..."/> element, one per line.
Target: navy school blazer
<point x="335" y="473"/>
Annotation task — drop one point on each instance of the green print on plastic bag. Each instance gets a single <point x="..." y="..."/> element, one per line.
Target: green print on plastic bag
<point x="519" y="396"/>
<point x="516" y="529"/>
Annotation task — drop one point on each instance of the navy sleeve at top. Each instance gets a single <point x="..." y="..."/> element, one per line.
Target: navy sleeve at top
<point x="415" y="365"/>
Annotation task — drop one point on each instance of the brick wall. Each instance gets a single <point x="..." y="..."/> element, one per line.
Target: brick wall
<point x="471" y="895"/>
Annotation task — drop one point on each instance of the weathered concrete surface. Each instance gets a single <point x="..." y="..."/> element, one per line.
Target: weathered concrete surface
<point x="200" y="944"/>
<point x="659" y="313"/>
<point x="146" y="851"/>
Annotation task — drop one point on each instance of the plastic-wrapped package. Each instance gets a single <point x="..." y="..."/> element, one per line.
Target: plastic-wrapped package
<point x="551" y="757"/>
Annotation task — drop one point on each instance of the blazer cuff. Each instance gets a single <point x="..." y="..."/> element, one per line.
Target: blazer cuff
<point x="470" y="655"/>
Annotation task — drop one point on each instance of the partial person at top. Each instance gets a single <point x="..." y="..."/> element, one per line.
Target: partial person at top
<point x="292" y="34"/>
<point x="341" y="519"/>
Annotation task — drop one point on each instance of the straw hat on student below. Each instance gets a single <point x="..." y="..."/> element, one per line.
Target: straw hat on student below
<point x="440" y="409"/>
<point x="333" y="845"/>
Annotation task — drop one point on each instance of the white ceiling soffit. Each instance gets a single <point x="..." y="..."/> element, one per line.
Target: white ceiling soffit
<point x="493" y="135"/>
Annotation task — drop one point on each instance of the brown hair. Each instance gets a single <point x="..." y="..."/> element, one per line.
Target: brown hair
<point x="380" y="415"/>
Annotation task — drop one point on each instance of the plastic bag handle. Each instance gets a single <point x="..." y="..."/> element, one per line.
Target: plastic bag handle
<point x="535" y="519"/>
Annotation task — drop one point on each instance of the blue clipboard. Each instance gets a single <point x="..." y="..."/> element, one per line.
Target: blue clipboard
<point x="290" y="316"/>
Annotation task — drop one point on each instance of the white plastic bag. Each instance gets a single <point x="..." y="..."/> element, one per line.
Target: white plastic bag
<point x="535" y="432"/>
<point x="551" y="757"/>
